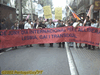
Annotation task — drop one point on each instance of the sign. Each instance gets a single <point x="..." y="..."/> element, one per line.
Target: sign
<point x="87" y="35"/>
<point x="58" y="13"/>
<point x="47" y="12"/>
<point x="97" y="5"/>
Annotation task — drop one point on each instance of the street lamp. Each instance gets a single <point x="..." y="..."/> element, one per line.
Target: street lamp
<point x="31" y="10"/>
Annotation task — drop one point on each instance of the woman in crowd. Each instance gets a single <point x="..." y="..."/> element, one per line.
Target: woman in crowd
<point x="50" y="25"/>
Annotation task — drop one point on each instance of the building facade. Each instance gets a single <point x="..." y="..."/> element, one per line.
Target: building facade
<point x="81" y="7"/>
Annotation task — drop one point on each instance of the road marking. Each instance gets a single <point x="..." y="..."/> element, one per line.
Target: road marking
<point x="72" y="66"/>
<point x="1" y="53"/>
<point x="8" y="49"/>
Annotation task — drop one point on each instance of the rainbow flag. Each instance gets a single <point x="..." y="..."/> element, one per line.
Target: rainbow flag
<point x="73" y="13"/>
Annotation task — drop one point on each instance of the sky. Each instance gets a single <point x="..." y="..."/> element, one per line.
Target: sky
<point x="59" y="3"/>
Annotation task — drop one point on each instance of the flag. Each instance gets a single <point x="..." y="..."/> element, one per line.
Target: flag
<point x="73" y="13"/>
<point x="28" y="17"/>
<point x="88" y="14"/>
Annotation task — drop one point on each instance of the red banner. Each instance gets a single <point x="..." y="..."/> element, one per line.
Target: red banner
<point x="87" y="35"/>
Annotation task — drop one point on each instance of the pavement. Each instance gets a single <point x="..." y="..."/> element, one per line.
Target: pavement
<point x="53" y="61"/>
<point x="86" y="61"/>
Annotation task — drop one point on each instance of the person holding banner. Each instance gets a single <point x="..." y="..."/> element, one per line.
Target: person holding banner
<point x="21" y="25"/>
<point x="87" y="23"/>
<point x="2" y="25"/>
<point x="35" y="24"/>
<point x="76" y="24"/>
<point x="61" y="43"/>
<point x="52" y="22"/>
<point x="50" y="25"/>
<point x="14" y="27"/>
<point x="28" y="26"/>
<point x="93" y="24"/>
<point x="66" y="23"/>
<point x="42" y="25"/>
<point x="59" y="23"/>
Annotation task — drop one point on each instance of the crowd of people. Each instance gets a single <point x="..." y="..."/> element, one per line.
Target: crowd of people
<point x="27" y="24"/>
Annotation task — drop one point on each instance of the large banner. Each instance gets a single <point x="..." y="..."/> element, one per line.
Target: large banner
<point x="58" y="13"/>
<point x="87" y="35"/>
<point x="47" y="12"/>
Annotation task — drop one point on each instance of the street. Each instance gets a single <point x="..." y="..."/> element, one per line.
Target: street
<point x="53" y="61"/>
<point x="70" y="30"/>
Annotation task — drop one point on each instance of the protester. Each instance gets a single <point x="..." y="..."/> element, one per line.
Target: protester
<point x="42" y="25"/>
<point x="50" y="25"/>
<point x="97" y="22"/>
<point x="15" y="27"/>
<point x="87" y="23"/>
<point x="28" y="26"/>
<point x="32" y="24"/>
<point x="75" y="25"/>
<point x="66" y="23"/>
<point x="47" y="22"/>
<point x="59" y="23"/>
<point x="35" y="24"/>
<point x="2" y="25"/>
<point x="21" y="25"/>
<point x="71" y="22"/>
<point x="93" y="24"/>
<point x="61" y="43"/>
<point x="52" y="22"/>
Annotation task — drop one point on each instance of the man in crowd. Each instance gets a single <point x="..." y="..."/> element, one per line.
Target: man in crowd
<point x="75" y="25"/>
<point x="14" y="27"/>
<point x="2" y="25"/>
<point x="52" y="22"/>
<point x="59" y="23"/>
<point x="87" y="23"/>
<point x="61" y="43"/>
<point x="35" y="24"/>
<point x="42" y="25"/>
<point x="71" y="22"/>
<point x="21" y="25"/>
<point x="47" y="22"/>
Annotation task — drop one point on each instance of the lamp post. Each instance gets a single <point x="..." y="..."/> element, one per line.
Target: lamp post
<point x="31" y="10"/>
<point x="20" y="9"/>
<point x="1" y="1"/>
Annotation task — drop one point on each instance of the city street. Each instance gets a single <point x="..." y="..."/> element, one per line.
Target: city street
<point x="53" y="61"/>
<point x="69" y="30"/>
<point x="87" y="61"/>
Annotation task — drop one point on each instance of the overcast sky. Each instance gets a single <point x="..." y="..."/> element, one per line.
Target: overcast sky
<point x="59" y="3"/>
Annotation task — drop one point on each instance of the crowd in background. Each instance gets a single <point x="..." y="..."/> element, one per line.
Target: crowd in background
<point x="36" y="24"/>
